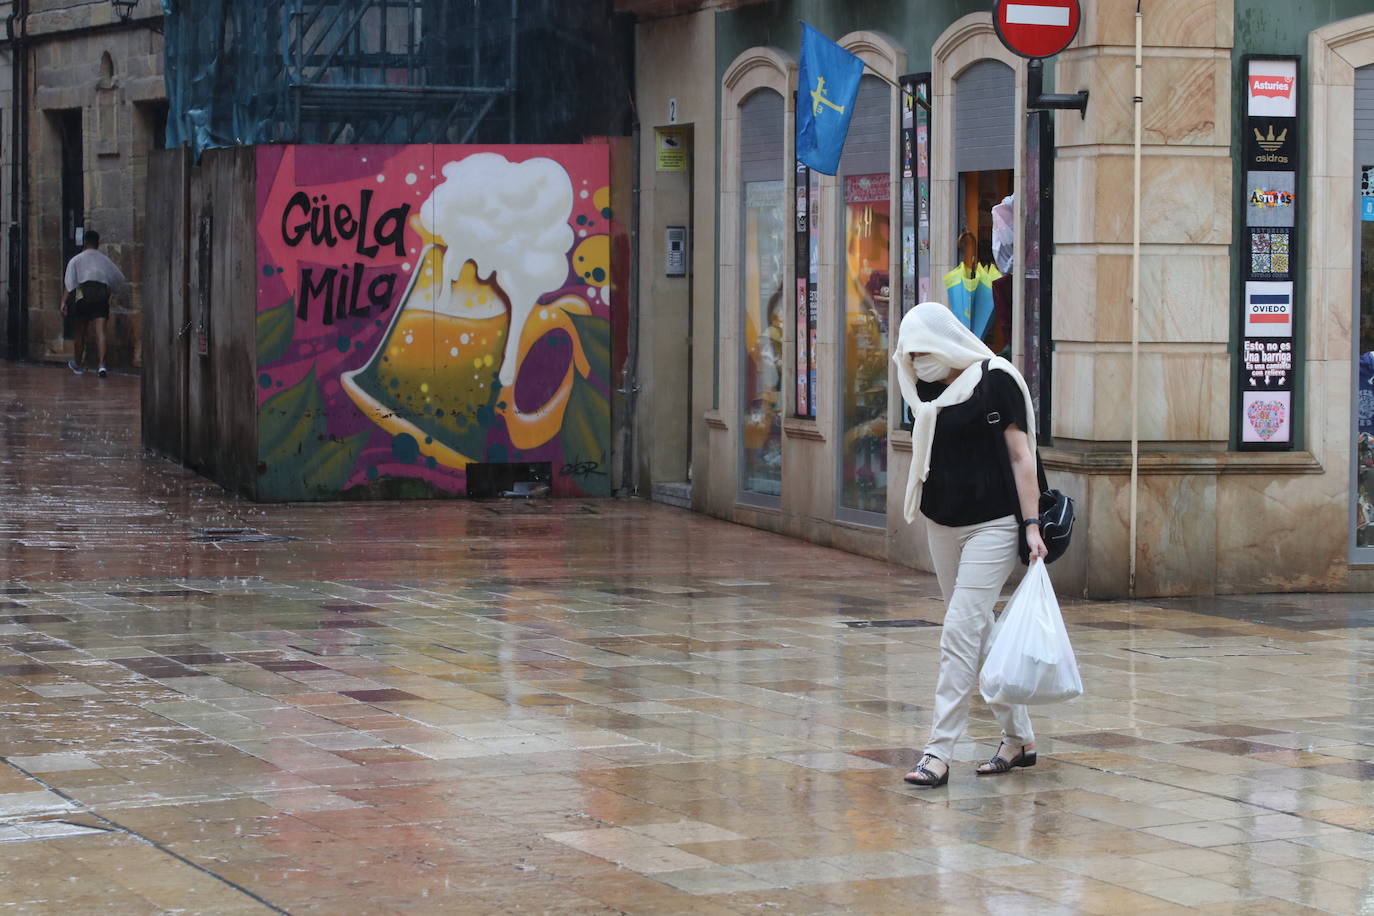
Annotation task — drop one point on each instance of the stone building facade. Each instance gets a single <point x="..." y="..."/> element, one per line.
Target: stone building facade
<point x="784" y="415"/>
<point x="93" y="105"/>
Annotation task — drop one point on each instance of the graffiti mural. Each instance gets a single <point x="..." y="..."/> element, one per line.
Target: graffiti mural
<point x="420" y="308"/>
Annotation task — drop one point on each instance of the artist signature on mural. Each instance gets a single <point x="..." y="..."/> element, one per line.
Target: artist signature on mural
<point x="580" y="468"/>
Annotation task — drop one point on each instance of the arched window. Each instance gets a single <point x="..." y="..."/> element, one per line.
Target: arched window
<point x="764" y="237"/>
<point x="985" y="169"/>
<point x="1363" y="509"/>
<point x="866" y="198"/>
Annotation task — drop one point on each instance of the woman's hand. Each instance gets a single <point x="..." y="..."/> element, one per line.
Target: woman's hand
<point x="1027" y="487"/>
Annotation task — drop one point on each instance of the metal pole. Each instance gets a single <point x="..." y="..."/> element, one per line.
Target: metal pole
<point x="629" y="375"/>
<point x="1135" y="314"/>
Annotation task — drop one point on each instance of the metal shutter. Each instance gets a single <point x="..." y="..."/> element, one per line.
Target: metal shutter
<point x="985" y="117"/>
<point x="761" y="137"/>
<point x="867" y="149"/>
<point x="1364" y="117"/>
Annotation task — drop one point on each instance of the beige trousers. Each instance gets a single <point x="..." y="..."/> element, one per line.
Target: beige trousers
<point x="972" y="564"/>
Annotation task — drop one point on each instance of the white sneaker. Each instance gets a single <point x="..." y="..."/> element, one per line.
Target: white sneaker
<point x="102" y="372"/>
<point x="71" y="364"/>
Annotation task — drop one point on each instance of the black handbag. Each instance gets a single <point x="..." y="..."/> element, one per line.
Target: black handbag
<point x="1056" y="507"/>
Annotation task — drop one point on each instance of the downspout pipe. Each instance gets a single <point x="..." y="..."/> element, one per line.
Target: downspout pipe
<point x="1139" y="102"/>
<point x="629" y="373"/>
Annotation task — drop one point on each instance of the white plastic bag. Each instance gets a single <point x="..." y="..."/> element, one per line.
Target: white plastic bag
<point x="1030" y="660"/>
<point x="1003" y="234"/>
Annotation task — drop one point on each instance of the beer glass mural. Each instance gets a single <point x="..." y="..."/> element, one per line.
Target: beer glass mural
<point x="421" y="308"/>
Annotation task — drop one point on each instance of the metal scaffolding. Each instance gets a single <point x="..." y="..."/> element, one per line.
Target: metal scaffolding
<point x="341" y="71"/>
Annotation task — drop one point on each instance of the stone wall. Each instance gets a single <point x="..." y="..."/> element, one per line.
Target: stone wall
<point x="675" y="378"/>
<point x="81" y="57"/>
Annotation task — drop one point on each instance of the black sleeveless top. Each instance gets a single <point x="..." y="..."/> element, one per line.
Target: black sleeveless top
<point x="967" y="483"/>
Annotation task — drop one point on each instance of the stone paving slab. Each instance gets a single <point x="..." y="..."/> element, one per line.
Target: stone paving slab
<point x="608" y="707"/>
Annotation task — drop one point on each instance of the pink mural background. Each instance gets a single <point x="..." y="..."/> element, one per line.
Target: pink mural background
<point x="423" y="307"/>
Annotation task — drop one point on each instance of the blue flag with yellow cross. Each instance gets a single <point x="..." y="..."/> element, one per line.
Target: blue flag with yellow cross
<point x="828" y="84"/>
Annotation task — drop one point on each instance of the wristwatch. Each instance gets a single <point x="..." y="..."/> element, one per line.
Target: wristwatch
<point x="1029" y="521"/>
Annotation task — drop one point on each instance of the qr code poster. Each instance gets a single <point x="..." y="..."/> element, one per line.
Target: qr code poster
<point x="1271" y="254"/>
<point x="1265" y="417"/>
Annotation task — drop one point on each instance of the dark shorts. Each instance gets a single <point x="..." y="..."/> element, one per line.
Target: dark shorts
<point x="85" y="311"/>
<point x="91" y="300"/>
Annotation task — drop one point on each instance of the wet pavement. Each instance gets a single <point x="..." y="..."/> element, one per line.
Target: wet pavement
<point x="212" y="706"/>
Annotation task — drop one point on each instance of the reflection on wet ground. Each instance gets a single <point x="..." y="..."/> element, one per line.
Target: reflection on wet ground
<point x="611" y="706"/>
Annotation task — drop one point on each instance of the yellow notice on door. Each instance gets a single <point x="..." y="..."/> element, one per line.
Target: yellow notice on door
<point x="671" y="147"/>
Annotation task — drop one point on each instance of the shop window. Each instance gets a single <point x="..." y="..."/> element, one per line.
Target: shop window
<point x="1364" y="394"/>
<point x="978" y="289"/>
<point x="915" y="167"/>
<point x="864" y="184"/>
<point x="915" y="190"/>
<point x="764" y="237"/>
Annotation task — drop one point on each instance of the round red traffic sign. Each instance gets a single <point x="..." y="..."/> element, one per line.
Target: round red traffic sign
<point x="1035" y="28"/>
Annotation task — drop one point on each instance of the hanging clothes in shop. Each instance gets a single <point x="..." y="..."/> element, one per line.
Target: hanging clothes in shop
<point x="969" y="295"/>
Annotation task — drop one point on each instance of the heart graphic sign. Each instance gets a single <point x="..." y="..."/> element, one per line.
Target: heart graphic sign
<point x="1266" y="416"/>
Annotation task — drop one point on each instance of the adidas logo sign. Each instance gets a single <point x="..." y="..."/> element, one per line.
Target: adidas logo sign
<point x="1271" y="142"/>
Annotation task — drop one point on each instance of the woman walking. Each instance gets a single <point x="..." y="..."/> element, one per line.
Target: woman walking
<point x="962" y="397"/>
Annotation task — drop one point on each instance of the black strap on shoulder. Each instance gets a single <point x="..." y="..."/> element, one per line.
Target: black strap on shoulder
<point x="994" y="419"/>
<point x="999" y="448"/>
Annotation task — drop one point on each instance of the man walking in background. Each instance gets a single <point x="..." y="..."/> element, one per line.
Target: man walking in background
<point x="90" y="281"/>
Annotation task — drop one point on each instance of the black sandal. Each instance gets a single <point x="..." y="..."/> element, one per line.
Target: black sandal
<point x="999" y="764"/>
<point x="922" y="778"/>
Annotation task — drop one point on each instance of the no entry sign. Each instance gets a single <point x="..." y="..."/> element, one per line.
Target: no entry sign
<point x="1035" y="28"/>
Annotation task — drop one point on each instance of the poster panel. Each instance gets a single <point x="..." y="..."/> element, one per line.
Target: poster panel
<point x="1272" y="89"/>
<point x="1271" y="144"/>
<point x="1271" y="253"/>
<point x="1271" y="198"/>
<point x="1266" y="417"/>
<point x="1269" y="309"/>
<point x="1268" y="364"/>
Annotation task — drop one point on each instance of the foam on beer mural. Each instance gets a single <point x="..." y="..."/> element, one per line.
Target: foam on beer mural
<point x="496" y="238"/>
<point x="510" y="219"/>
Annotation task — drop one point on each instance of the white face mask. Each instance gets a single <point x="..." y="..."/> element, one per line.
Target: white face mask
<point x="929" y="369"/>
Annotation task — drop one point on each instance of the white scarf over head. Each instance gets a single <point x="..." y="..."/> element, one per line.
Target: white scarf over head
<point x="932" y="328"/>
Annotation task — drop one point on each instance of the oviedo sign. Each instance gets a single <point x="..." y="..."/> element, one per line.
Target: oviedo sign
<point x="1036" y="28"/>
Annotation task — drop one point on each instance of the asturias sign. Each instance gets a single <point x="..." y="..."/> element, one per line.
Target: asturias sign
<point x="1273" y="87"/>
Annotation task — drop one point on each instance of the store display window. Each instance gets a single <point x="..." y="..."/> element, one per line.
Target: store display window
<point x="867" y="294"/>
<point x="1364" y="395"/>
<point x="867" y="200"/>
<point x="764" y="237"/>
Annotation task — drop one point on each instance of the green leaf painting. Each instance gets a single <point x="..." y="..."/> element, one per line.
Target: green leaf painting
<point x="275" y="327"/>
<point x="595" y="334"/>
<point x="329" y="466"/>
<point x="587" y="433"/>
<point x="290" y="427"/>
